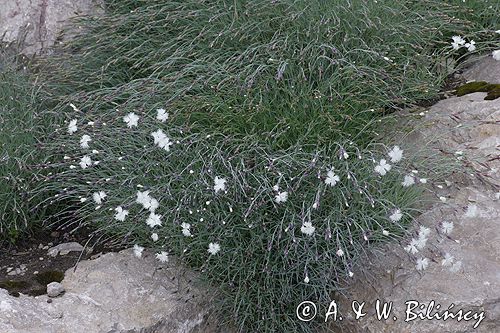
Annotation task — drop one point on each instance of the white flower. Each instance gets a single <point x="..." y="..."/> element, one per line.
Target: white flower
<point x="165" y="144"/>
<point x="496" y="55"/>
<point x="497" y="31"/>
<point x="408" y="181"/>
<point x="471" y="46"/>
<point x="219" y="184"/>
<point x="276" y="188"/>
<point x="471" y="211"/>
<point x="447" y="227"/>
<point x="385" y="232"/>
<point x="424" y="232"/>
<point x="331" y="178"/>
<point x="281" y="197"/>
<point x="161" y="115"/>
<point x="412" y="247"/>
<point x="85" y="162"/>
<point x="351" y="274"/>
<point x="456" y="267"/>
<point x="154" y="236"/>
<point x="340" y="253"/>
<point x="121" y="213"/>
<point x="143" y="198"/>
<point x="382" y="167"/>
<point x="422" y="264"/>
<point x="162" y="140"/>
<point x="84" y="141"/>
<point x="306" y="279"/>
<point x="458" y="39"/>
<point x="423" y="180"/>
<point x="448" y="260"/>
<point x="396" y="154"/>
<point x="213" y="248"/>
<point x="396" y="215"/>
<point x="138" y="250"/>
<point x="186" y="229"/>
<point x="307" y="228"/>
<point x="131" y="119"/>
<point x="158" y="135"/>
<point x="147" y="201"/>
<point x="154" y="220"/>
<point x="455" y="46"/>
<point x="162" y="256"/>
<point x="99" y="197"/>
<point x="153" y="205"/>
<point x="83" y="199"/>
<point x="420" y="242"/>
<point x="72" y="128"/>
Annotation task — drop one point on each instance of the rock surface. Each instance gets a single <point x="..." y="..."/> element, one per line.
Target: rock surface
<point x="468" y="128"/>
<point x="40" y="20"/>
<point x="485" y="70"/>
<point x="115" y="293"/>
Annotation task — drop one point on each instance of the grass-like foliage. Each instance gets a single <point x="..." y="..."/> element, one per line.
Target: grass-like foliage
<point x="241" y="136"/>
<point x="18" y="152"/>
<point x="281" y="225"/>
<point x="309" y="71"/>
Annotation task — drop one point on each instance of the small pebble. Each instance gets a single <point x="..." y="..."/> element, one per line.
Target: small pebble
<point x="55" y="289"/>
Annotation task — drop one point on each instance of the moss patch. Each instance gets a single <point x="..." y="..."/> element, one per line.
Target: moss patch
<point x="14" y="287"/>
<point x="37" y="292"/>
<point x="47" y="277"/>
<point x="493" y="94"/>
<point x="492" y="89"/>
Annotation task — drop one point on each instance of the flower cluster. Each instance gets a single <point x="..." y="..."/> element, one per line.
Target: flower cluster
<point x="459" y="42"/>
<point x="162" y="140"/>
<point x="169" y="210"/>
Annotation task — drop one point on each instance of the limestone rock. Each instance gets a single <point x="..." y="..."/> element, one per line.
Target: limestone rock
<point x="469" y="278"/>
<point x="486" y="69"/>
<point x="118" y="293"/>
<point x="40" y="20"/>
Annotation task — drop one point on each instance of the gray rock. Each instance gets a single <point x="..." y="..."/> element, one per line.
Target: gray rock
<point x="64" y="248"/>
<point x="116" y="292"/>
<point x="471" y="125"/>
<point x="486" y="69"/>
<point x="55" y="289"/>
<point x="40" y="22"/>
